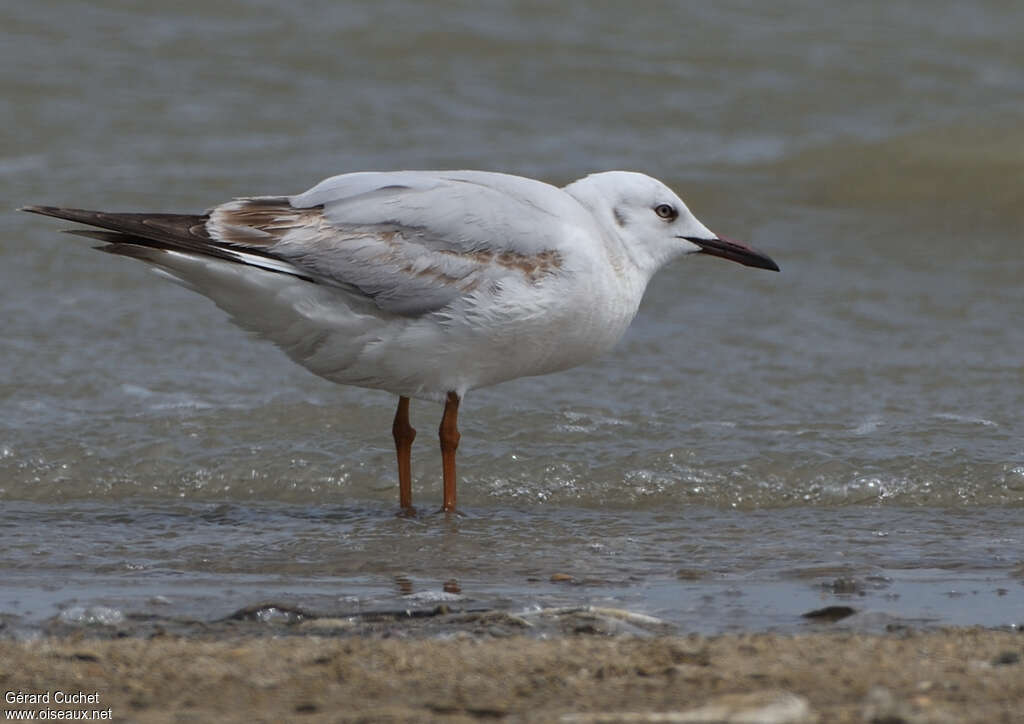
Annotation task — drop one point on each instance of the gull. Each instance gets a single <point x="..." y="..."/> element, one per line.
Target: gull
<point x="426" y="284"/>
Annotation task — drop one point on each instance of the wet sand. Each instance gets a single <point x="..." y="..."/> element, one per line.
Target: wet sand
<point x="952" y="675"/>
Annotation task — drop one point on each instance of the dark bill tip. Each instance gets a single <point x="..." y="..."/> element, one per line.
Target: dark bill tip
<point x="734" y="251"/>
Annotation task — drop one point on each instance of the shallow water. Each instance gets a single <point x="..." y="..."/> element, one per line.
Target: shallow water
<point x="846" y="432"/>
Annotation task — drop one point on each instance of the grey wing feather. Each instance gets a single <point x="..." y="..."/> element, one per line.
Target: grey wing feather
<point x="411" y="241"/>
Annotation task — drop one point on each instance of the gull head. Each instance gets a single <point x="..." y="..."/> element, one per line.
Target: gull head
<point x="653" y="223"/>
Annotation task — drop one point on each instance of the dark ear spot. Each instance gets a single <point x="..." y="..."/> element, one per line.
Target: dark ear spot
<point x="620" y="218"/>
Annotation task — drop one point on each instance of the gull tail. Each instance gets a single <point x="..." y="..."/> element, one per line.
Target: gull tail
<point x="262" y="293"/>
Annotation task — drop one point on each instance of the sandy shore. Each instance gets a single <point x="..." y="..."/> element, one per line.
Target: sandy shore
<point x="957" y="675"/>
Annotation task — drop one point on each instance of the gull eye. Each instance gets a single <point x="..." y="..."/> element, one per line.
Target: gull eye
<point x="666" y="211"/>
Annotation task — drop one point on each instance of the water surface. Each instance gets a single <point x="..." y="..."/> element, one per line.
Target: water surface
<point x="846" y="432"/>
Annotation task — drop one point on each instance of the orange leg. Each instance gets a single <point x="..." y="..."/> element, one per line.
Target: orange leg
<point x="449" y="434"/>
<point x="404" y="434"/>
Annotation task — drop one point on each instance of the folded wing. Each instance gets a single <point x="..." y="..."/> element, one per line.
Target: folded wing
<point x="410" y="241"/>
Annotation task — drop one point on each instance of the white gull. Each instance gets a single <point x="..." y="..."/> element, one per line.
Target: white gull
<point x="427" y="284"/>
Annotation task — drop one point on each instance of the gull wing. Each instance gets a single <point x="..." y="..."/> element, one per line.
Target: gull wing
<point x="409" y="242"/>
<point x="412" y="241"/>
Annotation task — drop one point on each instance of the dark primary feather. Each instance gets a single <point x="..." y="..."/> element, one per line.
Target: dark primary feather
<point x="173" y="229"/>
<point x="126" y="232"/>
